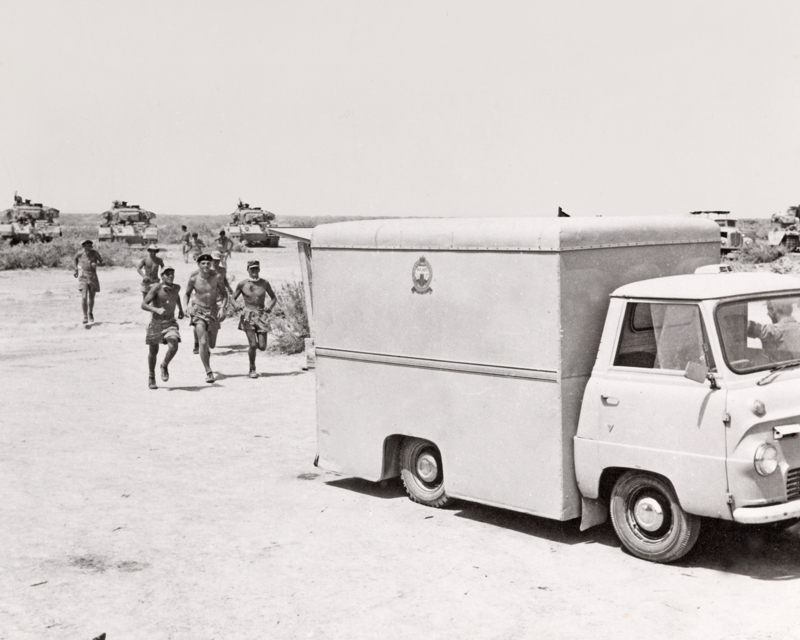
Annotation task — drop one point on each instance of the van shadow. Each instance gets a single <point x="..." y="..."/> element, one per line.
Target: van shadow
<point x="563" y="532"/>
<point x="387" y="489"/>
<point x="756" y="552"/>
<point x="760" y="553"/>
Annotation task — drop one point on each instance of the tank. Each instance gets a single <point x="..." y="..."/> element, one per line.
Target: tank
<point x="250" y="225"/>
<point x="785" y="229"/>
<point x="128" y="223"/>
<point x="730" y="238"/>
<point x="28" y="221"/>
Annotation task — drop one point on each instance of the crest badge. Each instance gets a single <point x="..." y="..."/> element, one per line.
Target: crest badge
<point x="421" y="276"/>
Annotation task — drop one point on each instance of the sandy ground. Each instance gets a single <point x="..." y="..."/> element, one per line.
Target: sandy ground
<point x="195" y="511"/>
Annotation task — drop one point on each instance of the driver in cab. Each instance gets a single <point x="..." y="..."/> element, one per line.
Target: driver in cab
<point x="781" y="339"/>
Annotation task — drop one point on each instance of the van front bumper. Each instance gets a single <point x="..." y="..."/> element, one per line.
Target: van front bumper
<point x="772" y="513"/>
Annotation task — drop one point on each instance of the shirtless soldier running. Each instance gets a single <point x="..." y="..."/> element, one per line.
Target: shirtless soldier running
<point x="148" y="268"/>
<point x="254" y="320"/>
<point x="161" y="300"/>
<point x="209" y="290"/>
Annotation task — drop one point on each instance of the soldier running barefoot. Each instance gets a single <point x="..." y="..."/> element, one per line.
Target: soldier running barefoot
<point x="148" y="268"/>
<point x="254" y="320"/>
<point x="161" y="300"/>
<point x="86" y="262"/>
<point x="209" y="291"/>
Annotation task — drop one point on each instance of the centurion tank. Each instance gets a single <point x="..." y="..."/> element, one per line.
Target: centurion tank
<point x="250" y="225"/>
<point x="128" y="223"/>
<point x="28" y="221"/>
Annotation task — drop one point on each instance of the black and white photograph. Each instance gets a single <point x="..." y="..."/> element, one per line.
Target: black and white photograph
<point x="444" y="319"/>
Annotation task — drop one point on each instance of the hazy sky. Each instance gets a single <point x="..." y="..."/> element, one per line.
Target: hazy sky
<point x="402" y="108"/>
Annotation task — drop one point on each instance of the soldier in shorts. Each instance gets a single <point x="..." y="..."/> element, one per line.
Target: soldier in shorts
<point x="161" y="300"/>
<point x="254" y="320"/>
<point x="148" y="268"/>
<point x="186" y="243"/>
<point x="209" y="293"/>
<point x="86" y="262"/>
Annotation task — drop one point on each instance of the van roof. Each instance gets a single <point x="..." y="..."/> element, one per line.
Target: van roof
<point x="514" y="234"/>
<point x="708" y="286"/>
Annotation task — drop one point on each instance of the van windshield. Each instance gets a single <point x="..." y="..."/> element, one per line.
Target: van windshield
<point x="760" y="333"/>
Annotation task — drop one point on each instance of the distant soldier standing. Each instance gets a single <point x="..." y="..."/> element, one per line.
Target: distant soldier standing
<point x="148" y="268"/>
<point x="86" y="262"/>
<point x="161" y="300"/>
<point x="186" y="243"/>
<point x="209" y="290"/>
<point x="254" y="320"/>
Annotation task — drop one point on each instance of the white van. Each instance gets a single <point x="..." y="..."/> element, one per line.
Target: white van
<point x="554" y="367"/>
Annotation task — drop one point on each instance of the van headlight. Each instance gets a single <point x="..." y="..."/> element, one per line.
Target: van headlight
<point x="766" y="459"/>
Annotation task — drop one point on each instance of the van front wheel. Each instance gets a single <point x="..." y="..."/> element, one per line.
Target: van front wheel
<point x="421" y="471"/>
<point x="649" y="520"/>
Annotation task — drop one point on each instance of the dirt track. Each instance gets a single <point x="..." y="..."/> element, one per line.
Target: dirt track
<point x="195" y="511"/>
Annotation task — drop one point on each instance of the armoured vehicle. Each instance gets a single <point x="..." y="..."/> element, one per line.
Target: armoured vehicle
<point x="785" y="229"/>
<point x="27" y="221"/>
<point x="250" y="225"/>
<point x="730" y="237"/>
<point x="128" y="223"/>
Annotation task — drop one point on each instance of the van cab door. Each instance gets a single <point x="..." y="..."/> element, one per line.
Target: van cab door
<point x="653" y="418"/>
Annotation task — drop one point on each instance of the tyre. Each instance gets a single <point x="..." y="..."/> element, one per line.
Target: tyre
<point x="421" y="472"/>
<point x="649" y="520"/>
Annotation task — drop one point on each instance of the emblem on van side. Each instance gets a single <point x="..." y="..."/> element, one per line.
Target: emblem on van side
<point x="421" y="276"/>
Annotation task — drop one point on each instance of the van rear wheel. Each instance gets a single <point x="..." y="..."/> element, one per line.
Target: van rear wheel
<point x="649" y="520"/>
<point x="421" y="472"/>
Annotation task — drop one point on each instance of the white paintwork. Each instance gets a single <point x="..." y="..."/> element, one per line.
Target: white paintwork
<point x="492" y="363"/>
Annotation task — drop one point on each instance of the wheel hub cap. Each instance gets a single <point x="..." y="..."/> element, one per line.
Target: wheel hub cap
<point x="648" y="514"/>
<point x="427" y="469"/>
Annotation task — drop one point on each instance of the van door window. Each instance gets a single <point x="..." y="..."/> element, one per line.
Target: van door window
<point x="662" y="336"/>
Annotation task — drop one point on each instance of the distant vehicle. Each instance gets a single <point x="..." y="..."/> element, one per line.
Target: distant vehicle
<point x="128" y="223"/>
<point x="730" y="237"/>
<point x="785" y="230"/>
<point x="250" y="225"/>
<point x="26" y="222"/>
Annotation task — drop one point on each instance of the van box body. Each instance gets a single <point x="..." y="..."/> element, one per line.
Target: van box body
<point x="490" y="360"/>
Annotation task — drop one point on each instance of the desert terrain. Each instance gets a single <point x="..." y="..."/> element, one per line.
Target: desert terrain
<point x="195" y="511"/>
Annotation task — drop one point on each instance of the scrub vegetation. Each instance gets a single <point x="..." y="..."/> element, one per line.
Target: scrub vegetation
<point x="290" y="321"/>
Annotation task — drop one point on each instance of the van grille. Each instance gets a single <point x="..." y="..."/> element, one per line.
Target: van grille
<point x="793" y="484"/>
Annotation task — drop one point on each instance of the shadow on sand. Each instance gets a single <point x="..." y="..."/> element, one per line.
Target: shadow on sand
<point x="760" y="553"/>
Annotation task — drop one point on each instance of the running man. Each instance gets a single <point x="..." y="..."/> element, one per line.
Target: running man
<point x="161" y="300"/>
<point x="224" y="245"/>
<point x="254" y="320"/>
<point x="209" y="293"/>
<point x="197" y="246"/>
<point x="186" y="243"/>
<point x="148" y="268"/>
<point x="86" y="262"/>
<point x="216" y="258"/>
